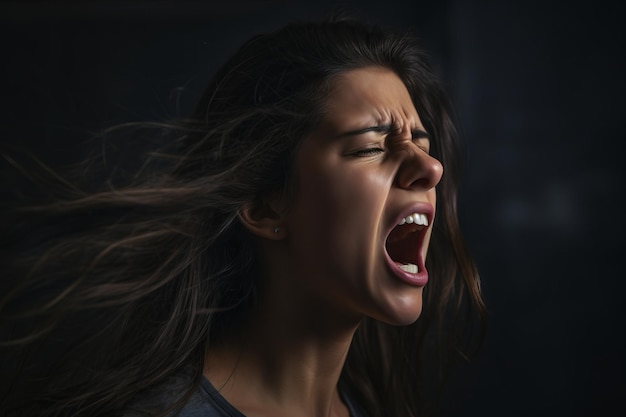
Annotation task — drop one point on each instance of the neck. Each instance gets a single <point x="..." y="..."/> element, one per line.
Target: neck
<point x="286" y="361"/>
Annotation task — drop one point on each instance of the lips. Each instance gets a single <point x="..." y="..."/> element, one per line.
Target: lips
<point x="404" y="243"/>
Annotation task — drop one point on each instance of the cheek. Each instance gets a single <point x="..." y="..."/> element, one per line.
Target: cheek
<point x="337" y="215"/>
<point x="343" y="197"/>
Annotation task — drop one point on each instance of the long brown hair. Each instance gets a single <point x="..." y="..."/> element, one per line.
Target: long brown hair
<point x="158" y="267"/>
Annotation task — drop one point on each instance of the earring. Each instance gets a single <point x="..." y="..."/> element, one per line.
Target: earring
<point x="276" y="229"/>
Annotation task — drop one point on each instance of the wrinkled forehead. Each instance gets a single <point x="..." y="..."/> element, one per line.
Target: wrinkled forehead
<point x="366" y="96"/>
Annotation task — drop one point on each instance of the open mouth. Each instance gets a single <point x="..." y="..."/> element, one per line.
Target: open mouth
<point x="404" y="243"/>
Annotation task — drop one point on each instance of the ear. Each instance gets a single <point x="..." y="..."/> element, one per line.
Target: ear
<point x="263" y="219"/>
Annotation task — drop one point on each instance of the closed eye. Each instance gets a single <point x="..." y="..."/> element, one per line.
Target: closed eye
<point x="367" y="152"/>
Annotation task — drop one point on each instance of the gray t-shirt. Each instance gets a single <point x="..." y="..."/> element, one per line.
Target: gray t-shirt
<point x="205" y="402"/>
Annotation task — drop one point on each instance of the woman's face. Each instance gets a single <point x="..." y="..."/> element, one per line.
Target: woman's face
<point x="358" y="232"/>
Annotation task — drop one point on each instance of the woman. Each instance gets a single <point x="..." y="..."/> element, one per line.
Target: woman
<point x="277" y="262"/>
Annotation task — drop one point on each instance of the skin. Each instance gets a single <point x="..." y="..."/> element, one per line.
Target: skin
<point x="325" y="269"/>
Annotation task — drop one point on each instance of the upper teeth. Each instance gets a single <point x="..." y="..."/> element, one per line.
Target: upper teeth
<point x="416" y="218"/>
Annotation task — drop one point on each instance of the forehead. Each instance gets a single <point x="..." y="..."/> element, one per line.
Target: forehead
<point x="370" y="95"/>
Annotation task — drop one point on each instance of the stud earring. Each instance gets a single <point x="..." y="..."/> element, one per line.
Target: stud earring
<point x="276" y="229"/>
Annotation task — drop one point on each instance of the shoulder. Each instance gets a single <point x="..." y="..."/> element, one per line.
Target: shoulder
<point x="203" y="401"/>
<point x="206" y="401"/>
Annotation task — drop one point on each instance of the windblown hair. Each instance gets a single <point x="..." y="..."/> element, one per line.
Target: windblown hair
<point x="154" y="270"/>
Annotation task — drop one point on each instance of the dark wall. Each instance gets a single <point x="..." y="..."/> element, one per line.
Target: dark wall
<point x="539" y="91"/>
<point x="540" y="94"/>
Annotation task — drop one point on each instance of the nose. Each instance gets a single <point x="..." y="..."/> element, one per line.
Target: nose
<point x="418" y="170"/>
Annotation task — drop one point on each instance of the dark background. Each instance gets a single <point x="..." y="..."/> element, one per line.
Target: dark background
<point x="539" y="91"/>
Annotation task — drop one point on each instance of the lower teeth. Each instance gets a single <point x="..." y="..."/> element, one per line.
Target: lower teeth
<point x="411" y="268"/>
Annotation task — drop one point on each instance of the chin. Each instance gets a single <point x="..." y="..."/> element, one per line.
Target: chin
<point x="405" y="319"/>
<point x="402" y="312"/>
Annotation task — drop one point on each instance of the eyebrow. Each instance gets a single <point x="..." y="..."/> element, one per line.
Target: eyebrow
<point x="388" y="128"/>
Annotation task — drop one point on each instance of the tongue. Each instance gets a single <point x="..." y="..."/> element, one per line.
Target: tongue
<point x="404" y="250"/>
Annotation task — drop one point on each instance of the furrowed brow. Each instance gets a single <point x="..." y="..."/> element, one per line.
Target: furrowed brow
<point x="386" y="129"/>
<point x="377" y="129"/>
